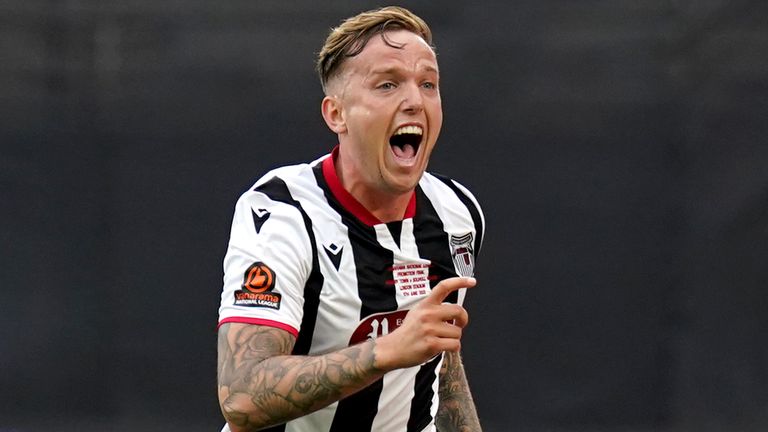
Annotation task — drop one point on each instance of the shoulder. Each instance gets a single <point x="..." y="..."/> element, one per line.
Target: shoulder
<point x="283" y="184"/>
<point x="438" y="184"/>
<point x="270" y="218"/>
<point x="293" y="176"/>
<point x="456" y="206"/>
<point x="273" y="204"/>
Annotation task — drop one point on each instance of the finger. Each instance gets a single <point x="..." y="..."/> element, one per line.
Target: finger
<point x="447" y="286"/>
<point x="446" y="344"/>
<point x="462" y="318"/>
<point x="442" y="338"/>
<point x="452" y="314"/>
<point x="449" y="331"/>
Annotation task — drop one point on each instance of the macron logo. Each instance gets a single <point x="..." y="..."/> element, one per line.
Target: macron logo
<point x="334" y="253"/>
<point x="259" y="217"/>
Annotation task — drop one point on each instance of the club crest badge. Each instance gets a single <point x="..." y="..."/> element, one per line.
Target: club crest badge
<point x="463" y="254"/>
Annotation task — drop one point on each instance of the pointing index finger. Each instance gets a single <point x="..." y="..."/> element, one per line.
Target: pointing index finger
<point x="447" y="286"/>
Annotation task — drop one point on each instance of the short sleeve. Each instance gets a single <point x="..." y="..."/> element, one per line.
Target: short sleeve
<point x="476" y="212"/>
<point x="267" y="264"/>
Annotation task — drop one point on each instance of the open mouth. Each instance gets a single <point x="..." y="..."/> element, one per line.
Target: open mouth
<point x="405" y="141"/>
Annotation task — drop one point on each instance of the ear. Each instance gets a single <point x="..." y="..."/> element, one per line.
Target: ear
<point x="333" y="114"/>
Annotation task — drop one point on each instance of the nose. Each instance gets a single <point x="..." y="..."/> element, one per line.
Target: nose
<point x="413" y="101"/>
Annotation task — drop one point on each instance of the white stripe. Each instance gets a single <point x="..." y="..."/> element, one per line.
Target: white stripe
<point x="408" y="240"/>
<point x="395" y="401"/>
<point x="398" y="388"/>
<point x="462" y="294"/>
<point x="436" y="390"/>
<point x="477" y="206"/>
<point x="339" y="308"/>
<point x="456" y="218"/>
<point x="384" y="237"/>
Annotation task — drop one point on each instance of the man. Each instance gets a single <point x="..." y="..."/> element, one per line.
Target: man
<point x="344" y="278"/>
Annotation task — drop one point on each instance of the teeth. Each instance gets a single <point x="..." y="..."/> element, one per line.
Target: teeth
<point x="411" y="130"/>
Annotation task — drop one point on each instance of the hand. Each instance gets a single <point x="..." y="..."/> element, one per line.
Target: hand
<point x="428" y="329"/>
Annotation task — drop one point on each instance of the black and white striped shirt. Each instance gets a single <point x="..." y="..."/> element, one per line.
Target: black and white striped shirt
<point x="306" y="257"/>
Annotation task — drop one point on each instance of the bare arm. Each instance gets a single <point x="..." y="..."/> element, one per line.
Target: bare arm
<point x="260" y="385"/>
<point x="456" y="412"/>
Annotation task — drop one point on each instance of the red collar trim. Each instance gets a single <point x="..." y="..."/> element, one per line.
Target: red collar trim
<point x="348" y="201"/>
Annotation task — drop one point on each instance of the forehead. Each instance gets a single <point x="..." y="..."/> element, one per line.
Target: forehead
<point x="410" y="51"/>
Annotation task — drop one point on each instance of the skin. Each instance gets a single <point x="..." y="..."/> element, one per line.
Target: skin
<point x="457" y="408"/>
<point x="374" y="93"/>
<point x="260" y="384"/>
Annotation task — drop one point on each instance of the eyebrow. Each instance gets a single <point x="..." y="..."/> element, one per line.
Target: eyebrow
<point x="393" y="70"/>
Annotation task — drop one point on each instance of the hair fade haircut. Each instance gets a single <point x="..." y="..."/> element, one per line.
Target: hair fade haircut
<point x="350" y="38"/>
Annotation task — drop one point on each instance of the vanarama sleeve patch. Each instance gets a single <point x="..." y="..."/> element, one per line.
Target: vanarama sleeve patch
<point x="258" y="283"/>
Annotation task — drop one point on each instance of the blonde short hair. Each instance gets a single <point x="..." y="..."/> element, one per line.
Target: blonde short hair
<point x="350" y="38"/>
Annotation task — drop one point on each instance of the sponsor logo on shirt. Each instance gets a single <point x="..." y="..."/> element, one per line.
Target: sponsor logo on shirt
<point x="258" y="282"/>
<point x="377" y="325"/>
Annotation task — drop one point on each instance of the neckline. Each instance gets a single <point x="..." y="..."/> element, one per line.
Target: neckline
<point x="349" y="202"/>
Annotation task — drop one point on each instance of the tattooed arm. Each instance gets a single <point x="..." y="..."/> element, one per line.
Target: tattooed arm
<point x="456" y="412"/>
<point x="261" y="385"/>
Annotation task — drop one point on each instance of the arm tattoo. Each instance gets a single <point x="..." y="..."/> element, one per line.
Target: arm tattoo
<point x="456" y="412"/>
<point x="261" y="384"/>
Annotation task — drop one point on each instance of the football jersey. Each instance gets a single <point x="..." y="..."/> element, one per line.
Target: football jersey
<point x="306" y="257"/>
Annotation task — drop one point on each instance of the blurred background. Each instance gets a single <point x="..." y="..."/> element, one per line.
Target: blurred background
<point x="619" y="148"/>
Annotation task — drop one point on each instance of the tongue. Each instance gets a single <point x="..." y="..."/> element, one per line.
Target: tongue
<point x="405" y="152"/>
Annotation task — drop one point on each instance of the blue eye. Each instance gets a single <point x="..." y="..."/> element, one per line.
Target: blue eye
<point x="429" y="85"/>
<point x="387" y="86"/>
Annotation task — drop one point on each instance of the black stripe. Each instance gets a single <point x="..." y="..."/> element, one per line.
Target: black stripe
<point x="396" y="229"/>
<point x="356" y="413"/>
<point x="373" y="266"/>
<point x="420" y="405"/>
<point x="373" y="262"/>
<point x="473" y="211"/>
<point x="433" y="242"/>
<point x="277" y="190"/>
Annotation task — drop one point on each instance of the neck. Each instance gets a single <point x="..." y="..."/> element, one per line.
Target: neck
<point x="384" y="205"/>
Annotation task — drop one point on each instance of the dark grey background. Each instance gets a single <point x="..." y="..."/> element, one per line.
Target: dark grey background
<point x="619" y="149"/>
